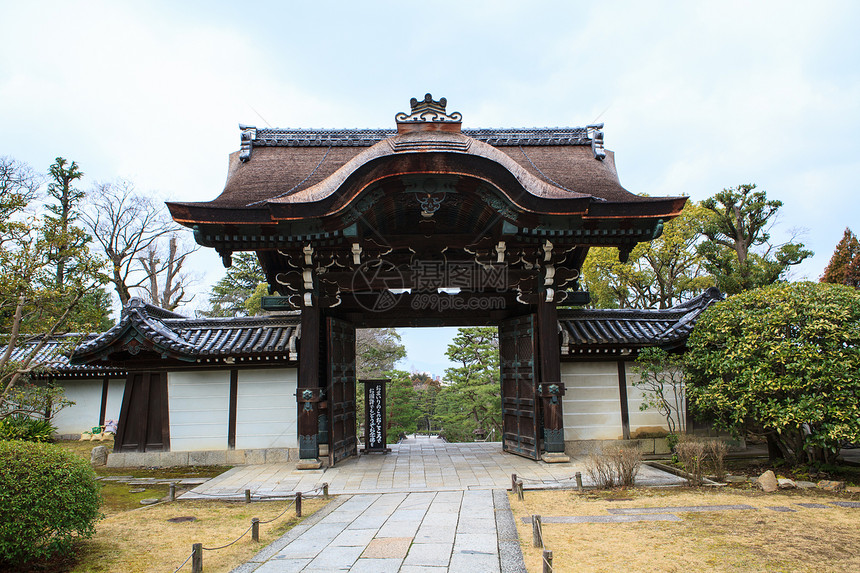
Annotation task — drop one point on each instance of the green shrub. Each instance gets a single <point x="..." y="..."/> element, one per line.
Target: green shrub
<point x="47" y="495"/>
<point x="22" y="427"/>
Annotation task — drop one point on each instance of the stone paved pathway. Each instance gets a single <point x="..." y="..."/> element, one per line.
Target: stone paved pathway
<point x="428" y="506"/>
<point x="412" y="466"/>
<point x="406" y="532"/>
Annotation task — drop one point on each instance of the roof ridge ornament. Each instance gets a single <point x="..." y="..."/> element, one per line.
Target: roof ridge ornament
<point x="428" y="115"/>
<point x="596" y="133"/>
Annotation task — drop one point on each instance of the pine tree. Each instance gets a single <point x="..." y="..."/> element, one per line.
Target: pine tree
<point x="230" y="294"/>
<point x="738" y="250"/>
<point x="844" y="265"/>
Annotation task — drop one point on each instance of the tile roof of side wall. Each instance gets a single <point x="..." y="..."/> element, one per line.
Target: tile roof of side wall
<point x="582" y="332"/>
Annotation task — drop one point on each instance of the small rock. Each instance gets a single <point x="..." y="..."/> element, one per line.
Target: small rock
<point x="785" y="483"/>
<point x="149" y="501"/>
<point x="137" y="490"/>
<point x="99" y="456"/>
<point x="830" y="485"/>
<point x="801" y="484"/>
<point x="852" y="489"/>
<point x="767" y="482"/>
<point x="736" y="479"/>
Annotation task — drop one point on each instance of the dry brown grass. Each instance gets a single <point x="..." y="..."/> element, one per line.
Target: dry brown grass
<point x="143" y="541"/>
<point x="809" y="540"/>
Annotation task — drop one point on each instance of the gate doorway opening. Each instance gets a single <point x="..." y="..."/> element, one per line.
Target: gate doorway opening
<point x="494" y="387"/>
<point x="447" y="385"/>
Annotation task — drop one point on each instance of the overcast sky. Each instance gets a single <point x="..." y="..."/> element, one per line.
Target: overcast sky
<point x="696" y="96"/>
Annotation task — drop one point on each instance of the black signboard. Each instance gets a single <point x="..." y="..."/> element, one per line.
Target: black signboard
<point x="375" y="422"/>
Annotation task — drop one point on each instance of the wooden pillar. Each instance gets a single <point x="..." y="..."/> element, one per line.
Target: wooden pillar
<point x="551" y="388"/>
<point x="103" y="408"/>
<point x="232" y="408"/>
<point x="622" y="395"/>
<point x="308" y="393"/>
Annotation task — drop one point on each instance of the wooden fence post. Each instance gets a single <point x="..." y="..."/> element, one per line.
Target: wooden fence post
<point x="520" y="493"/>
<point x="579" y="481"/>
<point x="325" y="490"/>
<point x="197" y="558"/>
<point x="298" y="504"/>
<point x="513" y="482"/>
<point x="172" y="495"/>
<point x="547" y="561"/>
<point x="247" y="496"/>
<point x="537" y="531"/>
<point x="255" y="529"/>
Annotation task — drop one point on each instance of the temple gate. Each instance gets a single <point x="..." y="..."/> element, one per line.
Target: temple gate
<point x="428" y="225"/>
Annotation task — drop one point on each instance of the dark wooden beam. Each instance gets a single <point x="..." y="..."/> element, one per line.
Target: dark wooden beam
<point x="143" y="407"/>
<point x="165" y="412"/>
<point x="550" y="375"/>
<point x="622" y="393"/>
<point x="231" y="412"/>
<point x="103" y="409"/>
<point x="309" y="381"/>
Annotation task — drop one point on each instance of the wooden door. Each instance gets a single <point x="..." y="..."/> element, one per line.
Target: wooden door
<point x="520" y="406"/>
<point x="340" y="389"/>
<point x="144" y="420"/>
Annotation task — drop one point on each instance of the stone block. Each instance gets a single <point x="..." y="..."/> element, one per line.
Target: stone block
<point x="130" y="460"/>
<point x="277" y="455"/>
<point x="208" y="458"/>
<point x="555" y="458"/>
<point x="767" y="482"/>
<point x="99" y="456"/>
<point x="255" y="456"/>
<point x="802" y="484"/>
<point x="661" y="447"/>
<point x="173" y="459"/>
<point x="309" y="465"/>
<point x="575" y="448"/>
<point x="830" y="485"/>
<point x="235" y="457"/>
<point x="646" y="445"/>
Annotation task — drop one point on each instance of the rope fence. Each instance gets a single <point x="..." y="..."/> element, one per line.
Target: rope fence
<point x="196" y="556"/>
<point x="537" y="521"/>
<point x="577" y="476"/>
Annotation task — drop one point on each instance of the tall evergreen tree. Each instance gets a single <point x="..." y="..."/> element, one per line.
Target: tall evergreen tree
<point x="60" y="230"/>
<point x="844" y="265"/>
<point x="33" y="302"/>
<point x="230" y="295"/>
<point x="658" y="274"/>
<point x="471" y="399"/>
<point x="400" y="405"/>
<point x="738" y="249"/>
<point x="68" y="244"/>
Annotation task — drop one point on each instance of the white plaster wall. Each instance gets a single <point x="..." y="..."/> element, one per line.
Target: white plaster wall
<point x="199" y="404"/>
<point x="591" y="404"/>
<point x="650" y="420"/>
<point x="266" y="412"/>
<point x="87" y="396"/>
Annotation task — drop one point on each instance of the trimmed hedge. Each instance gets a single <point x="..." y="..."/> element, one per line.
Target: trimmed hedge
<point x="47" y="496"/>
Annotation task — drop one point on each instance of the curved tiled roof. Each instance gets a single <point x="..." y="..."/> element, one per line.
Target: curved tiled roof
<point x="586" y="329"/>
<point x="53" y="356"/>
<point x="197" y="340"/>
<point x="193" y="339"/>
<point x="304" y="166"/>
